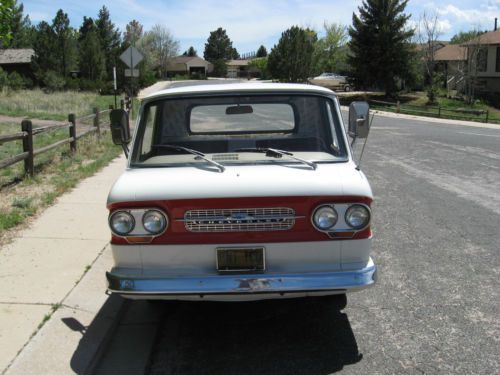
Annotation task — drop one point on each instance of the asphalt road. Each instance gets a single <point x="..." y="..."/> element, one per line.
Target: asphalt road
<point x="435" y="309"/>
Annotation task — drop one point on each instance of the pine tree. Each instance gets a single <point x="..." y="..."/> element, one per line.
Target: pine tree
<point x="92" y="62"/>
<point x="380" y="44"/>
<point x="44" y="46"/>
<point x="133" y="32"/>
<point x="219" y="47"/>
<point x="262" y="51"/>
<point x="23" y="33"/>
<point x="110" y="40"/>
<point x="190" y="52"/>
<point x="291" y="59"/>
<point x="65" y="43"/>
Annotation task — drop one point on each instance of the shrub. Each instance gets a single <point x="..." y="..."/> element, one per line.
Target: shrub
<point x="4" y="79"/>
<point x="16" y="81"/>
<point x="72" y="84"/>
<point x="90" y="85"/>
<point x="53" y="81"/>
<point x="220" y="68"/>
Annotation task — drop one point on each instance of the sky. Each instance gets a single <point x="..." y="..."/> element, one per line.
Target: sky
<point x="251" y="23"/>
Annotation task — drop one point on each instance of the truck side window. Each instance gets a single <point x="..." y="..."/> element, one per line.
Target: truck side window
<point x="330" y="110"/>
<point x="147" y="139"/>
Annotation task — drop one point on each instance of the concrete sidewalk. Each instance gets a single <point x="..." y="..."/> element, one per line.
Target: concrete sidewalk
<point x="41" y="267"/>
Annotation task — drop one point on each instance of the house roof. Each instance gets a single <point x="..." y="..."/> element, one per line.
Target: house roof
<point x="237" y="62"/>
<point x="451" y="52"/>
<point x="182" y="59"/>
<point x="16" y="56"/>
<point x="492" y="37"/>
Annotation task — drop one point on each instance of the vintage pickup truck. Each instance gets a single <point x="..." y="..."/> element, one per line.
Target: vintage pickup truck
<point x="240" y="192"/>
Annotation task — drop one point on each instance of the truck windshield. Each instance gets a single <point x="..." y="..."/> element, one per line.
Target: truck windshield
<point x="225" y="128"/>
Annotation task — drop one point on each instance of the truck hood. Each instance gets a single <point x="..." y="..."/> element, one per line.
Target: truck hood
<point x="329" y="179"/>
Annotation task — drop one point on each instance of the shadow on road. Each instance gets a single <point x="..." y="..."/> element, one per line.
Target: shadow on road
<point x="297" y="336"/>
<point x="95" y="336"/>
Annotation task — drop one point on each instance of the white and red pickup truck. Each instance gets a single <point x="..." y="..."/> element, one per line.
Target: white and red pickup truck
<point x="240" y="192"/>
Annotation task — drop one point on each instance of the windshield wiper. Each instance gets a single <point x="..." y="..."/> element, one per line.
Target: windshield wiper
<point x="198" y="154"/>
<point x="275" y="153"/>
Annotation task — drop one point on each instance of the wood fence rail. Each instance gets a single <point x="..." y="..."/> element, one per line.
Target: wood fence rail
<point x="27" y="133"/>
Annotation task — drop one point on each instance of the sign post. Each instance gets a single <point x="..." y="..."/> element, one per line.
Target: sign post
<point x="131" y="57"/>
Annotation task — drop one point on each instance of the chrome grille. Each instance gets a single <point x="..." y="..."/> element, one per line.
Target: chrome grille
<point x="239" y="220"/>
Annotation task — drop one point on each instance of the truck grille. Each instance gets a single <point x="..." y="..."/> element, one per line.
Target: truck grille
<point x="240" y="220"/>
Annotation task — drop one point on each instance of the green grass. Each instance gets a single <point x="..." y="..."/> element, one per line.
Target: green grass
<point x="417" y="104"/>
<point x="51" y="106"/>
<point x="56" y="172"/>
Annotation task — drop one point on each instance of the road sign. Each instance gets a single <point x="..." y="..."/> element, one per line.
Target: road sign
<point x="131" y="72"/>
<point x="131" y="57"/>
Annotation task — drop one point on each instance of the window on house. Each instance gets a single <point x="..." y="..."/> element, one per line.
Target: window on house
<point x="498" y="60"/>
<point x="482" y="59"/>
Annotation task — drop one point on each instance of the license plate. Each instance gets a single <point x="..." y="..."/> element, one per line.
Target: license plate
<point x="240" y="259"/>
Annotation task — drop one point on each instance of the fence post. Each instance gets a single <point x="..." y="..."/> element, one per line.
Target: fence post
<point x="27" y="126"/>
<point x="439" y="111"/>
<point x="72" y="131"/>
<point x="96" y="121"/>
<point x="487" y="115"/>
<point x="398" y="106"/>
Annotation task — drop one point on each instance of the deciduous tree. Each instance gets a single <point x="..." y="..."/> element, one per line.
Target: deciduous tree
<point x="161" y="46"/>
<point x="380" y="49"/>
<point x="330" y="52"/>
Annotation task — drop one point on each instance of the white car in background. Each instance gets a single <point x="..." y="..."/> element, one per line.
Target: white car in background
<point x="240" y="192"/>
<point x="331" y="81"/>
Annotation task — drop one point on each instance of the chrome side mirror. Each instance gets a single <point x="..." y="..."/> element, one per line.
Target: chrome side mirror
<point x="120" y="128"/>
<point x="359" y="119"/>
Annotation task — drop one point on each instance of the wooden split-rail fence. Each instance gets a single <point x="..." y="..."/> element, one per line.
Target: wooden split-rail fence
<point x="28" y="132"/>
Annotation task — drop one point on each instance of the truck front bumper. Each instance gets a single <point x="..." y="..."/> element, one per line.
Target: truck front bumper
<point x="258" y="286"/>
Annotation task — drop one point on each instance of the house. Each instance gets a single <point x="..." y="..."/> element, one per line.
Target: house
<point x="241" y="69"/>
<point x="17" y="60"/>
<point x="452" y="61"/>
<point x="485" y="52"/>
<point x="188" y="65"/>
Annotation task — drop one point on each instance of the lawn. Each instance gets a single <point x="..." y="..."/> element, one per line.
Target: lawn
<point x="56" y="172"/>
<point x="51" y="106"/>
<point x="416" y="104"/>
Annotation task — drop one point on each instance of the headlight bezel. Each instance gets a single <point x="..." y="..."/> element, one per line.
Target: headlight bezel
<point x="162" y="215"/>
<point x="322" y="207"/>
<point x="121" y="212"/>
<point x="365" y="223"/>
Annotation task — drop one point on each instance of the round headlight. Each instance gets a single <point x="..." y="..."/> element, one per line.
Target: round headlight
<point x="357" y="216"/>
<point x="154" y="221"/>
<point x="122" y="223"/>
<point x="325" y="217"/>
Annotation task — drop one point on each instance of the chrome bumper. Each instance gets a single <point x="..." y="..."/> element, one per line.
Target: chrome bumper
<point x="240" y="284"/>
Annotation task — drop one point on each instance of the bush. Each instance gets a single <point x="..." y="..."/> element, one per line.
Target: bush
<point x="28" y="83"/>
<point x="16" y="81"/>
<point x="90" y="85"/>
<point x="4" y="79"/>
<point x="53" y="81"/>
<point x="72" y="84"/>
<point x="220" y="68"/>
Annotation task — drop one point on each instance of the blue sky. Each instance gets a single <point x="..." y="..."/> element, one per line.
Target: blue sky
<point x="251" y="23"/>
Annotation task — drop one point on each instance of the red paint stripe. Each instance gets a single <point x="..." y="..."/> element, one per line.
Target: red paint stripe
<point x="301" y="232"/>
